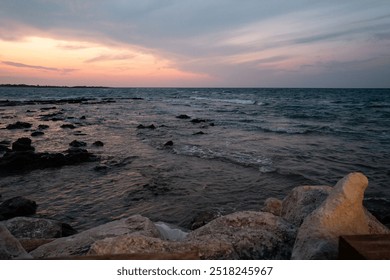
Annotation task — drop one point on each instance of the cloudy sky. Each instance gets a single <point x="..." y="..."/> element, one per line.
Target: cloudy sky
<point x="197" y="43"/>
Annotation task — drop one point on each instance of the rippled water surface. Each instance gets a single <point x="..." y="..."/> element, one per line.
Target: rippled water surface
<point x="246" y="145"/>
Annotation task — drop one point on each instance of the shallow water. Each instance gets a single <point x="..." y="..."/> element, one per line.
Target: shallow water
<point x="256" y="143"/>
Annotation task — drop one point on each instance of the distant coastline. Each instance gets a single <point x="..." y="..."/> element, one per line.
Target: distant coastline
<point x="47" y="86"/>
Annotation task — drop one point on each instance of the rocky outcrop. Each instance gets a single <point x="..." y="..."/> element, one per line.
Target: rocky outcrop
<point x="35" y="228"/>
<point x="10" y="248"/>
<point x="272" y="205"/>
<point x="17" y="206"/>
<point x="79" y="244"/>
<point x="301" y="201"/>
<point x="342" y="213"/>
<point x="22" y="144"/>
<point x="253" y="235"/>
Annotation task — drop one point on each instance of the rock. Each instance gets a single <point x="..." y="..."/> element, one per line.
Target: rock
<point x="272" y="205"/>
<point x="168" y="144"/>
<point x="48" y="108"/>
<point x="198" y="120"/>
<point x="253" y="235"/>
<point x="17" y="206"/>
<point x="202" y="218"/>
<point x="35" y="228"/>
<point x="22" y="144"/>
<point x="98" y="144"/>
<point x="342" y="213"/>
<point x="19" y="125"/>
<point x="78" y="155"/>
<point x="198" y="133"/>
<point x="52" y="116"/>
<point x="77" y="144"/>
<point x="37" y="133"/>
<point x="130" y="244"/>
<point x="301" y="201"/>
<point x="183" y="117"/>
<point x="83" y="117"/>
<point x="68" y="125"/>
<point x="10" y="248"/>
<point x="79" y="244"/>
<point x="141" y="126"/>
<point x="4" y="148"/>
<point x="43" y="126"/>
<point x="31" y="244"/>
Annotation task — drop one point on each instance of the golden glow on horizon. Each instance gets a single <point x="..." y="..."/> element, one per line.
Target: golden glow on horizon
<point x="86" y="63"/>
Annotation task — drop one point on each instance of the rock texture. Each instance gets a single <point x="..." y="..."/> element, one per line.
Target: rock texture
<point x="253" y="235"/>
<point x="79" y="244"/>
<point x="301" y="201"/>
<point x="342" y="213"/>
<point x="272" y="205"/>
<point x="35" y="228"/>
<point x="17" y="206"/>
<point x="10" y="248"/>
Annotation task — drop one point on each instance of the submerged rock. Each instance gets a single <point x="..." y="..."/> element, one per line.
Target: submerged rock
<point x="141" y="126"/>
<point x="342" y="213"/>
<point x="68" y="125"/>
<point x="19" y="125"/>
<point x="183" y="117"/>
<point x="77" y="144"/>
<point x="10" y="247"/>
<point x="98" y="144"/>
<point x="253" y="235"/>
<point x="37" y="133"/>
<point x="17" y="206"/>
<point x="79" y="244"/>
<point x="168" y="144"/>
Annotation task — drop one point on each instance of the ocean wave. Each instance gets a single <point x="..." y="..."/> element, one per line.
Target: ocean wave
<point x="233" y="101"/>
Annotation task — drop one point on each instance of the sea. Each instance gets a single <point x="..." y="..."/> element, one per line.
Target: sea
<point x="201" y="150"/>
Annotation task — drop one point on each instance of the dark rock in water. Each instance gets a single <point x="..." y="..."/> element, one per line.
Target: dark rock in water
<point x="199" y="133"/>
<point x="100" y="168"/>
<point x="203" y="218"/>
<point x="52" y="116"/>
<point x="141" y="126"/>
<point x="43" y="126"/>
<point x="30" y="111"/>
<point x="49" y="160"/>
<point x="168" y="144"/>
<point x="37" y="133"/>
<point x="68" y="125"/>
<point x="198" y="120"/>
<point x="183" y="117"/>
<point x="5" y="142"/>
<point x="98" y="144"/>
<point x="4" y="148"/>
<point x="22" y="144"/>
<point x="77" y="144"/>
<point x="19" y="125"/>
<point x="82" y="118"/>
<point x="48" y="108"/>
<point x="17" y="206"/>
<point x="16" y="162"/>
<point x="78" y="155"/>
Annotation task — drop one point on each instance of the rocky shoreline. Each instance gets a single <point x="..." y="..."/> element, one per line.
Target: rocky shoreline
<point x="306" y="224"/>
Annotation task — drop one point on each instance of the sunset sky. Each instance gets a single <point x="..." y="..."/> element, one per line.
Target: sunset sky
<point x="202" y="43"/>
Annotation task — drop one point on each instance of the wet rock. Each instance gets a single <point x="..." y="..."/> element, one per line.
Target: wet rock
<point x="272" y="205"/>
<point x="199" y="133"/>
<point x="10" y="247"/>
<point x="303" y="200"/>
<point x="68" y="125"/>
<point x="19" y="125"/>
<point x="17" y="206"/>
<point x="168" y="144"/>
<point x="98" y="144"/>
<point x="4" y="148"/>
<point x="198" y="120"/>
<point x="36" y="228"/>
<point x="83" y="117"/>
<point x="203" y="218"/>
<point x="253" y="235"/>
<point x="43" y="126"/>
<point x="37" y="133"/>
<point x="80" y="244"/>
<point x="56" y="116"/>
<point x="77" y="144"/>
<point x="31" y="244"/>
<point x="183" y="117"/>
<point x="141" y="126"/>
<point x="22" y="144"/>
<point x="78" y="155"/>
<point x="342" y="213"/>
<point x="48" y="108"/>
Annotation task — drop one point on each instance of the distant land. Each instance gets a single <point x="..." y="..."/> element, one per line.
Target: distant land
<point x="40" y="86"/>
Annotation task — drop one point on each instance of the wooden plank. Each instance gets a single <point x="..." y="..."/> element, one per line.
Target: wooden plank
<point x="364" y="247"/>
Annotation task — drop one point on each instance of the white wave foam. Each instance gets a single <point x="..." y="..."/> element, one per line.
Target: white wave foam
<point x="170" y="233"/>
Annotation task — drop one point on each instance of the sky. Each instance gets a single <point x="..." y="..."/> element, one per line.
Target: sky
<point x="202" y="43"/>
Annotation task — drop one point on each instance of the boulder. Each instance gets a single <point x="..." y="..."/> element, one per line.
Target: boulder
<point x="272" y="205"/>
<point x="79" y="244"/>
<point x="37" y="133"/>
<point x="22" y="144"/>
<point x="130" y="244"/>
<point x="68" y="125"/>
<point x="253" y="235"/>
<point x="301" y="201"/>
<point x="342" y="213"/>
<point x="202" y="218"/>
<point x="17" y="206"/>
<point x="77" y="144"/>
<point x="35" y="228"/>
<point x="10" y="248"/>
<point x="168" y="143"/>
<point x="98" y="144"/>
<point x="19" y="125"/>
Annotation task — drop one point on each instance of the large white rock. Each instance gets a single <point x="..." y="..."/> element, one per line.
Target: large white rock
<point x="10" y="248"/>
<point x="301" y="201"/>
<point x="253" y="235"/>
<point x="342" y="213"/>
<point x="79" y="244"/>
